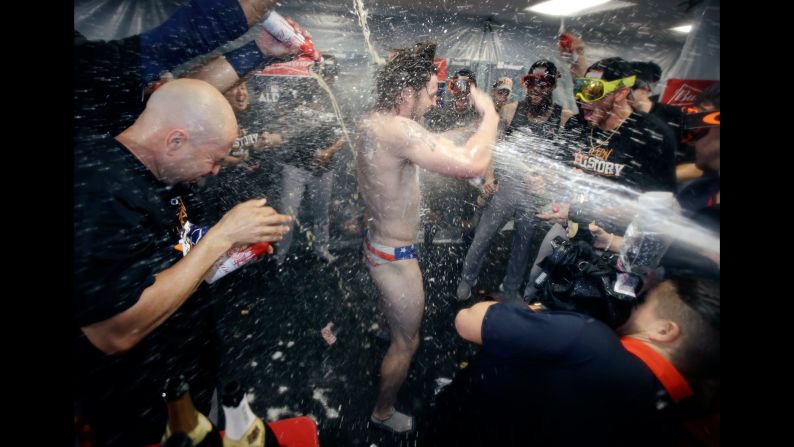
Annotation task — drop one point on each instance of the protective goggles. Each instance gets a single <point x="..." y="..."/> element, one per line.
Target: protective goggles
<point x="697" y="124"/>
<point x="543" y="80"/>
<point x="458" y="86"/>
<point x="593" y="89"/>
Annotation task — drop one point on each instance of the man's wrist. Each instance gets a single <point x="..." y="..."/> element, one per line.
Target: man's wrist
<point x="248" y="57"/>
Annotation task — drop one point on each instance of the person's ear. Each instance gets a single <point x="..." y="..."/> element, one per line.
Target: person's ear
<point x="175" y="140"/>
<point x="407" y="93"/>
<point x="664" y="331"/>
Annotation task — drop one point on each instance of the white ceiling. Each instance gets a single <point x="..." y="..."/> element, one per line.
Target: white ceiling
<point x="644" y="18"/>
<point x="650" y="17"/>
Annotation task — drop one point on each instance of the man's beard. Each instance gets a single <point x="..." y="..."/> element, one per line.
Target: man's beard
<point x="541" y="107"/>
<point x="412" y="114"/>
<point x="415" y="116"/>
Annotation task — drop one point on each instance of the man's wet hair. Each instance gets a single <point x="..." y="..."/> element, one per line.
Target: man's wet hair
<point x="612" y="68"/>
<point x="409" y="67"/>
<point x="647" y="73"/>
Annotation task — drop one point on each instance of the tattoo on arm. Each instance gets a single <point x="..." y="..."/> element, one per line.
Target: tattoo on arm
<point x="413" y="134"/>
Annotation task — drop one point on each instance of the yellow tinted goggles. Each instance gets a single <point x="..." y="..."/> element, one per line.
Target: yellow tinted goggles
<point x="593" y="89"/>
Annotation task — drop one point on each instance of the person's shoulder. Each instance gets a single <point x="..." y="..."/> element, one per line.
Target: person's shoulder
<point x="652" y="125"/>
<point x="644" y="120"/>
<point x="385" y="122"/>
<point x="390" y="130"/>
<point x="667" y="108"/>
<point x="96" y="154"/>
<point x="574" y="320"/>
<point x="104" y="166"/>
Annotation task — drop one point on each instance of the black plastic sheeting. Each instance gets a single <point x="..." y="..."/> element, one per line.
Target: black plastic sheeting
<point x="504" y="41"/>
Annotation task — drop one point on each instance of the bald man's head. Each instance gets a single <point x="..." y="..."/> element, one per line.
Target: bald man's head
<point x="188" y="126"/>
<point x="190" y="104"/>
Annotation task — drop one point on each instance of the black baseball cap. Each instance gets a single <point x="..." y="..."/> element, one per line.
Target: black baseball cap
<point x="610" y="69"/>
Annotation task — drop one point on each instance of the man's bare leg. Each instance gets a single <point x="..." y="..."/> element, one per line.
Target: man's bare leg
<point x="403" y="302"/>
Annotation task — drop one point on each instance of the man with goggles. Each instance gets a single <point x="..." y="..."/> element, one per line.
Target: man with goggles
<point x="610" y="140"/>
<point x="537" y="109"/>
<point x="536" y="115"/>
<point x="460" y="111"/>
<point x="703" y="129"/>
<point x="700" y="199"/>
<point x="632" y="148"/>
<point x="696" y="122"/>
<point x="442" y="195"/>
<point x="460" y="83"/>
<point x="594" y="89"/>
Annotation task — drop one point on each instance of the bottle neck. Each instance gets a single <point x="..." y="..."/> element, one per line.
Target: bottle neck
<point x="238" y="419"/>
<point x="182" y="414"/>
<point x="183" y="417"/>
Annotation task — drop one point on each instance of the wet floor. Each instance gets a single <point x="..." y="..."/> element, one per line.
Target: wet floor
<point x="271" y="322"/>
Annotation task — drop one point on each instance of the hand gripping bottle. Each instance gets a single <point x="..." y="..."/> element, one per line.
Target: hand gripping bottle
<point x="279" y="28"/>
<point x="234" y="259"/>
<point x="184" y="418"/>
<point x="566" y="43"/>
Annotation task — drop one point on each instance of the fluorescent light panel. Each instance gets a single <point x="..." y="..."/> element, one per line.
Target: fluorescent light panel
<point x="564" y="7"/>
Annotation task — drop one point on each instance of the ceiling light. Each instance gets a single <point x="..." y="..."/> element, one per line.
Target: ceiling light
<point x="682" y="29"/>
<point x="564" y="7"/>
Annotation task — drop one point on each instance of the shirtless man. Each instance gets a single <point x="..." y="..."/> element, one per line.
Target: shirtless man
<point x="390" y="148"/>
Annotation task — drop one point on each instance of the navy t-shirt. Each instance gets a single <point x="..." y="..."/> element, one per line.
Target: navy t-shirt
<point x="553" y="378"/>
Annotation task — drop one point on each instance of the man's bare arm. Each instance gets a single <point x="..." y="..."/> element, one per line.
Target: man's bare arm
<point x="468" y="322"/>
<point x="247" y="223"/>
<point x="439" y="154"/>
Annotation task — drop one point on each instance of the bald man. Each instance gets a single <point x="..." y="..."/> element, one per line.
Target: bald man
<point x="140" y="315"/>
